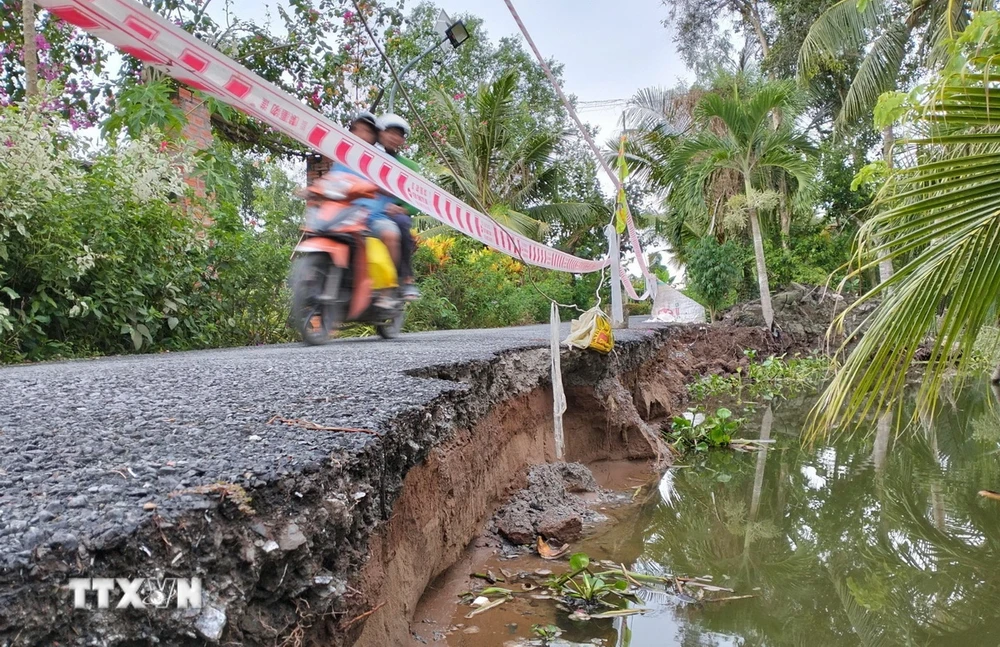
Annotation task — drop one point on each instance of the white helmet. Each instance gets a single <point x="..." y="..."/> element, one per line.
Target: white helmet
<point x="366" y="117"/>
<point x="390" y="120"/>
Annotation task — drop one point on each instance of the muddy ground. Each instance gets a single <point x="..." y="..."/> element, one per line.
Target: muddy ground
<point x="336" y="544"/>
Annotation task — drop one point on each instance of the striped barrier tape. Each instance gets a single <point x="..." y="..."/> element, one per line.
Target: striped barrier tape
<point x="136" y="30"/>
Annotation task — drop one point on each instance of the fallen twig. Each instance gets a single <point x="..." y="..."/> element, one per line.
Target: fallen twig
<point x="709" y="587"/>
<point x="642" y="577"/>
<point x="363" y="616"/>
<point x="618" y="613"/>
<point x="486" y="607"/>
<point x="731" y="597"/>
<point x="306" y="424"/>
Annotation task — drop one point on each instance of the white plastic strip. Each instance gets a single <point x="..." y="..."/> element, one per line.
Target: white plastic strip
<point x="614" y="251"/>
<point x="558" y="394"/>
<point x="136" y="30"/>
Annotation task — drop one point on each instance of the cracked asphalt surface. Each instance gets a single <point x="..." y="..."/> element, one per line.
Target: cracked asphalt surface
<point x="84" y="444"/>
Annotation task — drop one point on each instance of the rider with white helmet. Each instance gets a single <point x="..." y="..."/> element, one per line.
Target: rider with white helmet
<point x="393" y="131"/>
<point x="364" y="125"/>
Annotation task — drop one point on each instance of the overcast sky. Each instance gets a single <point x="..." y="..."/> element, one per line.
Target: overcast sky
<point x="610" y="48"/>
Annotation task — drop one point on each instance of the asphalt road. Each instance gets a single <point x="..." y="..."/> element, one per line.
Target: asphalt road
<point x="84" y="443"/>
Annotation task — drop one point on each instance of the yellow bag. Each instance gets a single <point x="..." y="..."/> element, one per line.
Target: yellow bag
<point x="380" y="265"/>
<point x="592" y="330"/>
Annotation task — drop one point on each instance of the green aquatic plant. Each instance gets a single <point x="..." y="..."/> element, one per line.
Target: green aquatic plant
<point x="591" y="589"/>
<point x="773" y="378"/>
<point x="694" y="431"/>
<point x="546" y="632"/>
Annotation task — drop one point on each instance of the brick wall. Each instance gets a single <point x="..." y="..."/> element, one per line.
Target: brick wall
<point x="198" y="131"/>
<point x="316" y="167"/>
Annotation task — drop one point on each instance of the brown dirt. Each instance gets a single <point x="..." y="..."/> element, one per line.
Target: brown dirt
<point x="550" y="506"/>
<point x="804" y="313"/>
<point x="439" y="620"/>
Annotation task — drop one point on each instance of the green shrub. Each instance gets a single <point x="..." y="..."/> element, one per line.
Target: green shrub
<point x="714" y="273"/>
<point x="101" y="257"/>
<point x="466" y="285"/>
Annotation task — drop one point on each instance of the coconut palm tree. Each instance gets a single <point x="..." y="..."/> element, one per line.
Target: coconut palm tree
<point x="941" y="215"/>
<point x="492" y="163"/>
<point x="733" y="139"/>
<point x="890" y="31"/>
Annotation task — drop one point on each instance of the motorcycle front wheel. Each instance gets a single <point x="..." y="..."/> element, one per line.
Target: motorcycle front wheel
<point x="314" y="277"/>
<point x="392" y="328"/>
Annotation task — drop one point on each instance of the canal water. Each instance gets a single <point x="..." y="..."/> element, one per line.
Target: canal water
<point x="877" y="536"/>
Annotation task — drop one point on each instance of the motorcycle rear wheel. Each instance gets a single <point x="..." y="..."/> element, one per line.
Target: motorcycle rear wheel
<point x="315" y="318"/>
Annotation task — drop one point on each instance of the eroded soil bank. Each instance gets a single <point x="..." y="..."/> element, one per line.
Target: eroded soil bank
<point x="609" y="492"/>
<point x="339" y="552"/>
<point x="614" y="407"/>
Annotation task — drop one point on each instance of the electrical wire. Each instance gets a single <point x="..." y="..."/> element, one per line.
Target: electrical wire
<point x="630" y="221"/>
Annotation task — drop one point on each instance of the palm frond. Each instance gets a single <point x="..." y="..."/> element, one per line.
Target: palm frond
<point x="728" y="110"/>
<point x="571" y="213"/>
<point x="762" y="104"/>
<point x="846" y="26"/>
<point x="944" y="217"/>
<point x="866" y="625"/>
<point x="660" y="109"/>
<point x="429" y="227"/>
<point x="519" y="222"/>
<point x="878" y="73"/>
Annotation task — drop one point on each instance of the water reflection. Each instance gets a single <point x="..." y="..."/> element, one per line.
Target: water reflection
<point x="874" y="538"/>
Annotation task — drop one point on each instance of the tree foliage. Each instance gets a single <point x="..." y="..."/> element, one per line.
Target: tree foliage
<point x="99" y="255"/>
<point x="939" y="218"/>
<point x="492" y="161"/>
<point x="714" y="272"/>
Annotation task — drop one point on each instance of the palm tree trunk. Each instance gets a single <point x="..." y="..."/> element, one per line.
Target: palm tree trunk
<point x="758" y="252"/>
<point x="881" y="448"/>
<point x="758" y="477"/>
<point x="786" y="215"/>
<point x="30" y="49"/>
<point x="885" y="269"/>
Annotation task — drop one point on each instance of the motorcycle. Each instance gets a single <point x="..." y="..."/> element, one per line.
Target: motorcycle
<point x="342" y="273"/>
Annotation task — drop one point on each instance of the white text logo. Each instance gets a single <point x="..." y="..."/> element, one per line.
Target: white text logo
<point x="138" y="593"/>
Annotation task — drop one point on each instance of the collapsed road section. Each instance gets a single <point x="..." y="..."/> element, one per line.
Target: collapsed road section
<point x="310" y="494"/>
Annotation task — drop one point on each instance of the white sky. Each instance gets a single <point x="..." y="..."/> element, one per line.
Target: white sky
<point x="610" y="48"/>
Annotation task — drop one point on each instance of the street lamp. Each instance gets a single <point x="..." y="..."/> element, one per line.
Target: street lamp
<point x="455" y="33"/>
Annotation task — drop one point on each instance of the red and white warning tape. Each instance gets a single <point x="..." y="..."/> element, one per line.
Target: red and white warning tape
<point x="136" y="30"/>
